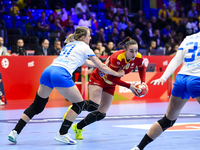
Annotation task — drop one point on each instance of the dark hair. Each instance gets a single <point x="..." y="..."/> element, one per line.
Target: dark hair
<point x="128" y="41"/>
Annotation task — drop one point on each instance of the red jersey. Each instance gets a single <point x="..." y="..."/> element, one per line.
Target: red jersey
<point x="118" y="61"/>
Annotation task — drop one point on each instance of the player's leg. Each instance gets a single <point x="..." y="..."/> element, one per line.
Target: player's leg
<point x="36" y="107"/>
<point x="95" y="94"/>
<point x="174" y="107"/>
<point x="74" y="96"/>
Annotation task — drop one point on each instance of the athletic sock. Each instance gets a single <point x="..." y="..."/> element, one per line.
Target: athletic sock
<point x="19" y="126"/>
<point x="81" y="124"/>
<point x="146" y="140"/>
<point x="65" y="127"/>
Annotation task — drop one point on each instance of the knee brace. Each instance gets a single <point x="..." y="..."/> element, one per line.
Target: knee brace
<point x="78" y="107"/>
<point x="90" y="106"/>
<point x="36" y="107"/>
<point x="94" y="116"/>
<point x="166" y="123"/>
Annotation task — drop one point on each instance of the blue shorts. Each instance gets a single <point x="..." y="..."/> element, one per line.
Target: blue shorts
<point x="54" y="76"/>
<point x="186" y="86"/>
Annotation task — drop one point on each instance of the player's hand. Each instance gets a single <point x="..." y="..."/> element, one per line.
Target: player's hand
<point x="158" y="81"/>
<point x="120" y="73"/>
<point x="133" y="88"/>
<point x="107" y="61"/>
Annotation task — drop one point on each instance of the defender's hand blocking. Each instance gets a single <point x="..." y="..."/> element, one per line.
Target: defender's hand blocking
<point x="158" y="81"/>
<point x="139" y="89"/>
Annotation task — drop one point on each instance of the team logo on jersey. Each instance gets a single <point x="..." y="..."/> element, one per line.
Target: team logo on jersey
<point x="118" y="63"/>
<point x="127" y="66"/>
<point x="132" y="64"/>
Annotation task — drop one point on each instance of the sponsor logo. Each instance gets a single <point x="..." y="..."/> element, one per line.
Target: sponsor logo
<point x="118" y="63"/>
<point x="31" y="64"/>
<point x="5" y="63"/>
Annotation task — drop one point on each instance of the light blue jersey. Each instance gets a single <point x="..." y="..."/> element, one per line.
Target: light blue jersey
<point x="73" y="56"/>
<point x="191" y="55"/>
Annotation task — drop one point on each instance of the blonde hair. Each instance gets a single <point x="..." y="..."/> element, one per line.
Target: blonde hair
<point x="79" y="32"/>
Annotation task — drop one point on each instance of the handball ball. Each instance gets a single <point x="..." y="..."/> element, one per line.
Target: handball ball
<point x="142" y="89"/>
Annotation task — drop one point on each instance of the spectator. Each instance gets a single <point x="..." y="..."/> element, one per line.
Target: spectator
<point x="114" y="36"/>
<point x="115" y="25"/>
<point x="170" y="11"/>
<point x="152" y="48"/>
<point x="53" y="4"/>
<point x="3" y="49"/>
<point x="43" y="49"/>
<point x="110" y="48"/>
<point x="139" y="14"/>
<point x="81" y="7"/>
<point x="154" y="22"/>
<point x="123" y="24"/>
<point x="42" y="22"/>
<point x="176" y="19"/>
<point x="51" y="19"/>
<point x="165" y="32"/>
<point x="191" y="27"/>
<point x="101" y="6"/>
<point x="70" y="28"/>
<point x="14" y="10"/>
<point x="174" y="49"/>
<point x="141" y="24"/>
<point x="121" y="38"/>
<point x="163" y="16"/>
<point x="182" y="11"/>
<point x="110" y="13"/>
<point x="196" y="19"/>
<point x="64" y="15"/>
<point x="22" y="5"/>
<point x="126" y="14"/>
<point x="19" y="49"/>
<point x="93" y="24"/>
<point x="101" y="48"/>
<point x="99" y="37"/>
<point x="168" y="49"/>
<point x="73" y="16"/>
<point x="137" y="37"/>
<point x="97" y="53"/>
<point x="83" y="21"/>
<point x="57" y="48"/>
<point x="118" y="14"/>
<point x="157" y="38"/>
<point x="192" y="12"/>
<point x="56" y="26"/>
<point x="129" y="31"/>
<point x="148" y="32"/>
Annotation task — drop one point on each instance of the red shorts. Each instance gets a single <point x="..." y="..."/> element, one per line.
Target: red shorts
<point x="95" y="79"/>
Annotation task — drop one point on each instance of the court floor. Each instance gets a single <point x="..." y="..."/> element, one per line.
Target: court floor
<point x="123" y="128"/>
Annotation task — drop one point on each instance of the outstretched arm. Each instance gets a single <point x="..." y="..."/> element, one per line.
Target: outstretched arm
<point x="174" y="63"/>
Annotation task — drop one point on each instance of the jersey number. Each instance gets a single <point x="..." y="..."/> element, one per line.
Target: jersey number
<point x="192" y="51"/>
<point x="67" y="50"/>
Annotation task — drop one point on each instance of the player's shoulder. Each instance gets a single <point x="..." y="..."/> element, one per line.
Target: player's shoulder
<point x="138" y="55"/>
<point x="119" y="55"/>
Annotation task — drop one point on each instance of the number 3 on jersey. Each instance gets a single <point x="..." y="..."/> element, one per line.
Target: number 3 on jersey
<point x="67" y="50"/>
<point x="192" y="51"/>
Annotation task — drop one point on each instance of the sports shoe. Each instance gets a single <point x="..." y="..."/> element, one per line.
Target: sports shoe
<point x="65" y="139"/>
<point x="78" y="132"/>
<point x="13" y="136"/>
<point x="135" y="148"/>
<point x="66" y="112"/>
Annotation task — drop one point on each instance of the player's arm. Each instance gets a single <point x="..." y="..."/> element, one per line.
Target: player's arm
<point x="142" y="69"/>
<point x="89" y="63"/>
<point x="174" y="63"/>
<point x="104" y="68"/>
<point x="115" y="65"/>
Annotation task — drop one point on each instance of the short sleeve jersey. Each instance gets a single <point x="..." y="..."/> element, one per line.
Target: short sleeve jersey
<point x="73" y="55"/>
<point x="118" y="61"/>
<point x="191" y="55"/>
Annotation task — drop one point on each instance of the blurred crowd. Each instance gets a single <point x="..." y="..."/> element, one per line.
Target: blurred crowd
<point x="109" y="24"/>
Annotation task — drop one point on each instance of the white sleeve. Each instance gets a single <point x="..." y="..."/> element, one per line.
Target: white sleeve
<point x="174" y="63"/>
<point x="89" y="51"/>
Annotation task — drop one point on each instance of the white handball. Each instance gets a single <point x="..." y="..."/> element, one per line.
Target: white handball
<point x="140" y="89"/>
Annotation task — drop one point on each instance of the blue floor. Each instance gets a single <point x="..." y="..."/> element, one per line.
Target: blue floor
<point x="124" y="127"/>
